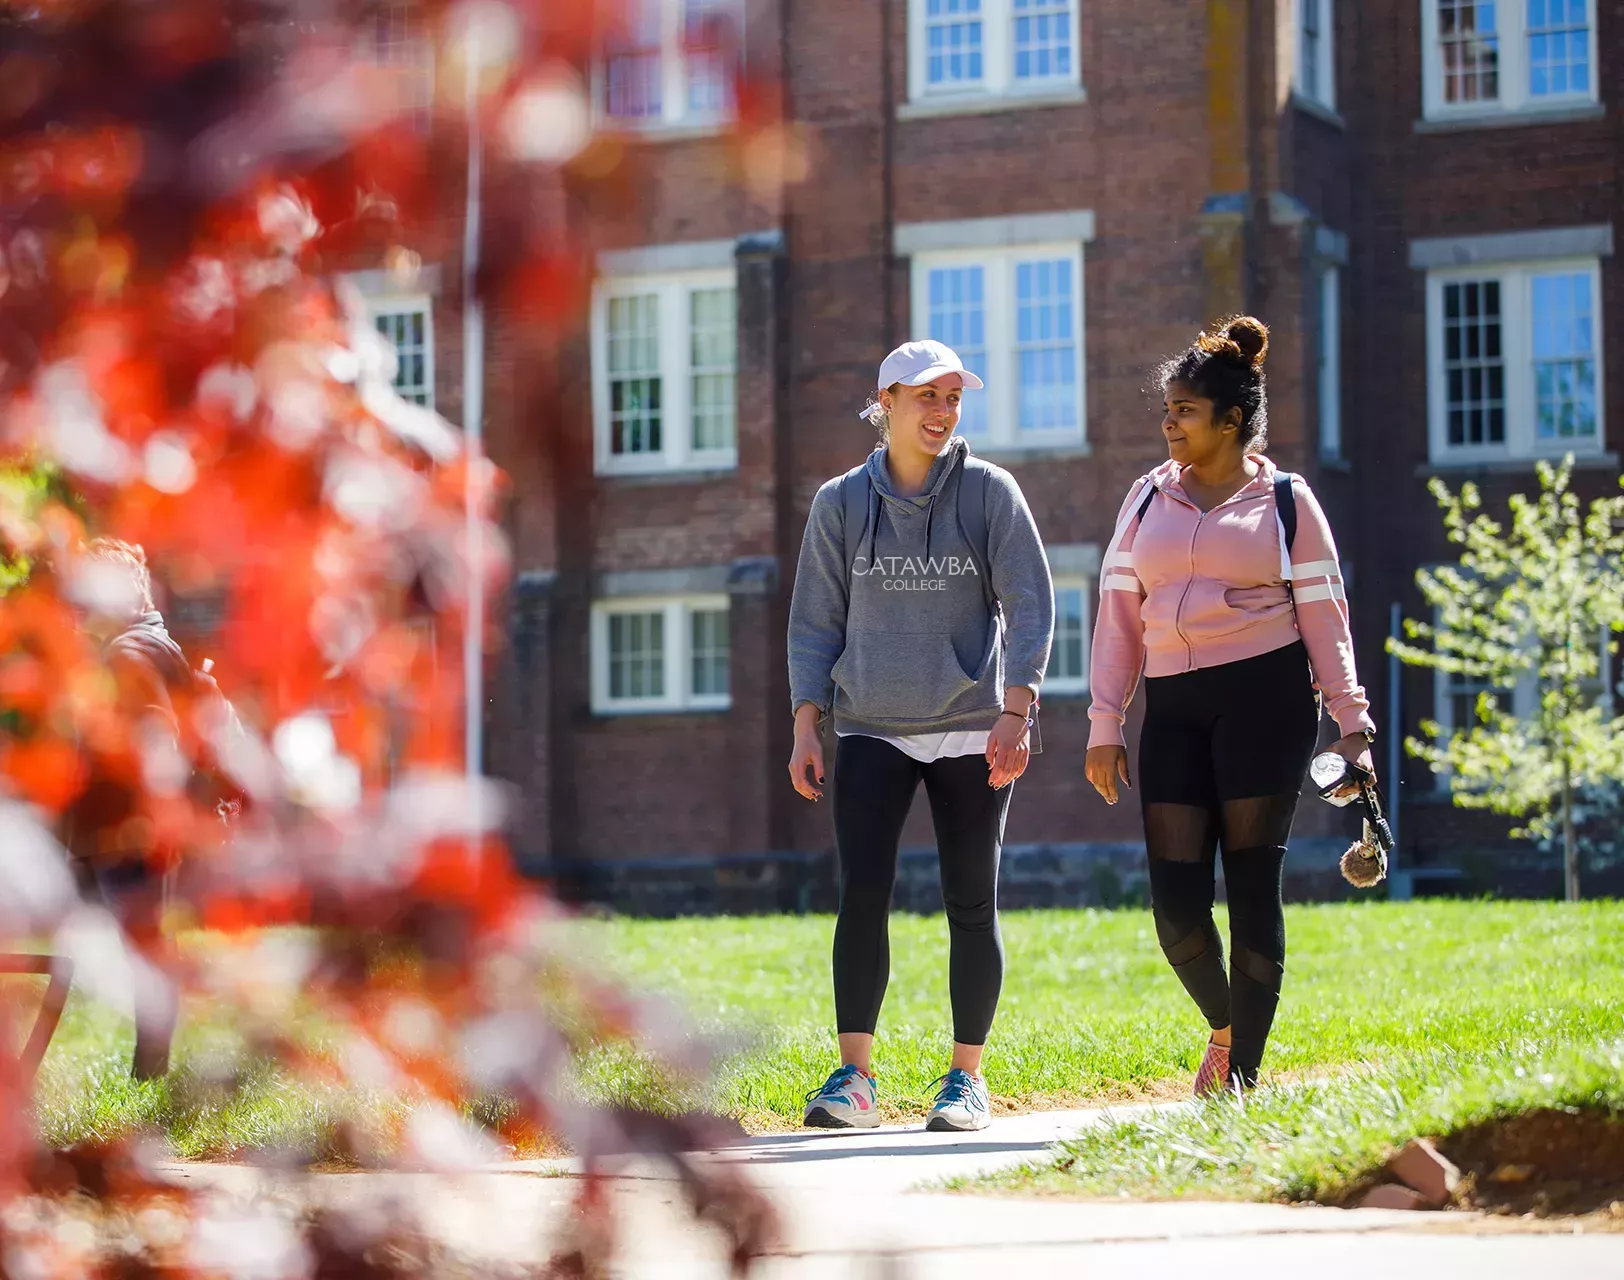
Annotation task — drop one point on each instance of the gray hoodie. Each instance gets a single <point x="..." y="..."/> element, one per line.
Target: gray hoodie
<point x="900" y="641"/>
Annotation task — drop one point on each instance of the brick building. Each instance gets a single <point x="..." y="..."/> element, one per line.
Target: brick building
<point x="1416" y="199"/>
<point x="1485" y="167"/>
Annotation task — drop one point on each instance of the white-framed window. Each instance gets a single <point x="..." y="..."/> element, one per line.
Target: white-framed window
<point x="1514" y="360"/>
<point x="1456" y="701"/>
<point x="1330" y="362"/>
<point x="1068" y="657"/>
<point x="962" y="47"/>
<point x="1315" y="73"/>
<point x="1481" y="56"/>
<point x="398" y="39"/>
<point x="1455" y="696"/>
<point x="664" y="355"/>
<point x="407" y="323"/>
<point x="671" y="62"/>
<point x="661" y="653"/>
<point x="1015" y="316"/>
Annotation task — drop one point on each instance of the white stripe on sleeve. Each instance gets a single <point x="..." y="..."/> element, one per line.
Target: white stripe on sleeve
<point x="1317" y="569"/>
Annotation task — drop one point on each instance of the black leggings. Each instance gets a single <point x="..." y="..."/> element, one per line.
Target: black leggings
<point x="1221" y="762"/>
<point x="874" y="788"/>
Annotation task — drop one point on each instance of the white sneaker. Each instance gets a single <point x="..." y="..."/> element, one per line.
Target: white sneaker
<point x="961" y="1105"/>
<point x="848" y="1100"/>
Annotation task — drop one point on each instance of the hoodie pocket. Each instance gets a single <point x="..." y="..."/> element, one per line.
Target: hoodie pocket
<point x="1249" y="606"/>
<point x="889" y="675"/>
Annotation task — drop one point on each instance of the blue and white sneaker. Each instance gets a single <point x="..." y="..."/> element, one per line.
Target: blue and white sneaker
<point x="848" y="1100"/>
<point x="961" y="1105"/>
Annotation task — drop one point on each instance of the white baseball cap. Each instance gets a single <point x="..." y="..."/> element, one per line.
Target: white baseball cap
<point x="915" y="363"/>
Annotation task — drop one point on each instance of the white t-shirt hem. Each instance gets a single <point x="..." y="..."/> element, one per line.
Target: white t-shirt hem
<point x="930" y="747"/>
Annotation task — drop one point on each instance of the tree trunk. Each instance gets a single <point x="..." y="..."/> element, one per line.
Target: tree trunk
<point x="1570" y="845"/>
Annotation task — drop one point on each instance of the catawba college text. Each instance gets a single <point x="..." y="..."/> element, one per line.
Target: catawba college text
<point x="914" y="573"/>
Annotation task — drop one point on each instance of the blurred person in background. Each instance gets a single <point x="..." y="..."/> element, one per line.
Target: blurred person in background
<point x="109" y="832"/>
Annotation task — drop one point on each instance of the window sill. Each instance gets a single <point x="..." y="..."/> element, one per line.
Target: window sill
<point x="1313" y="107"/>
<point x="670" y="475"/>
<point x="1566" y="113"/>
<point x="1069" y="692"/>
<point x="1047" y="452"/>
<point x="989" y="103"/>
<point x="1335" y="462"/>
<point x="600" y="712"/>
<point x="1608" y="461"/>
<point x="658" y="133"/>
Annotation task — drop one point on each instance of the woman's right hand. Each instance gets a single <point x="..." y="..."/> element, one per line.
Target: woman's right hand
<point x="808" y="753"/>
<point x="1104" y="765"/>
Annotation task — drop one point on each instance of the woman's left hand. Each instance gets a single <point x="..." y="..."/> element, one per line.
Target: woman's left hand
<point x="1356" y="748"/>
<point x="1008" y="750"/>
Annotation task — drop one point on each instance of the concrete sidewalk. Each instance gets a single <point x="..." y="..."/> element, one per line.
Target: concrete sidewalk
<point x="892" y="1158"/>
<point x="848" y="1212"/>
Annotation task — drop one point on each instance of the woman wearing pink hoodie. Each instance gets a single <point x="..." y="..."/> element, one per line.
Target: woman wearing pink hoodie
<point x="1241" y="631"/>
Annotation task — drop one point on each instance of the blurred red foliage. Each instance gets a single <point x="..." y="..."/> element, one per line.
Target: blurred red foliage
<point x="180" y="182"/>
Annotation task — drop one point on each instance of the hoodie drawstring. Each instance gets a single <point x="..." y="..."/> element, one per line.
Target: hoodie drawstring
<point x="876" y="502"/>
<point x="873" y="523"/>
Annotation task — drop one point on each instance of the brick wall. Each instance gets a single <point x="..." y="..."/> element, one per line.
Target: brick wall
<point x="1186" y="107"/>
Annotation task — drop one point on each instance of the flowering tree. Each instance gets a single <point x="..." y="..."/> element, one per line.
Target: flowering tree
<point x="179" y="182"/>
<point x="1531" y="605"/>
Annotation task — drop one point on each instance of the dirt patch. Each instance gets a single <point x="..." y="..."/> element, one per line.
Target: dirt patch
<point x="1544" y="1162"/>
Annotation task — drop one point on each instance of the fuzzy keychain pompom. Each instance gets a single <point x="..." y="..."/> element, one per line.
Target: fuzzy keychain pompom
<point x="1365" y="862"/>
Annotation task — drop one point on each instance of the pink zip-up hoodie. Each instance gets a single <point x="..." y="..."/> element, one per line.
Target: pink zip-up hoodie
<point x="1184" y="589"/>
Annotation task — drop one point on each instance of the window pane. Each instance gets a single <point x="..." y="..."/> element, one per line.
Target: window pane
<point x="1045" y="346"/>
<point x="1558" y="47"/>
<point x="1564" y="356"/>
<point x="637" y="655"/>
<point x="952" y="42"/>
<point x="401" y="44"/>
<point x="706" y="42"/>
<point x="1469" y="45"/>
<point x="1308" y="52"/>
<point x="408" y="332"/>
<point x="712" y="346"/>
<point x="958" y="317"/>
<point x="1069" y="659"/>
<point x="1474" y="379"/>
<point x="634" y="374"/>
<point x="709" y="653"/>
<point x="1461" y="693"/>
<point x="632" y="65"/>
<point x="1042" y="39"/>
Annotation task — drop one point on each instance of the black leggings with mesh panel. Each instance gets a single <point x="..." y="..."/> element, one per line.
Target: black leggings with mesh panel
<point x="1221" y="762"/>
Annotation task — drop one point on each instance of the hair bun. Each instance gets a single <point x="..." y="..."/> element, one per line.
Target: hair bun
<point x="1251" y="338"/>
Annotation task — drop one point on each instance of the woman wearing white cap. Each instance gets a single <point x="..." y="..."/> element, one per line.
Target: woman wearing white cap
<point x="921" y="623"/>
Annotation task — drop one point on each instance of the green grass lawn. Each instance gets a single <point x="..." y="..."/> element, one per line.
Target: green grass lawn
<point x="1321" y="1140"/>
<point x="1090" y="1012"/>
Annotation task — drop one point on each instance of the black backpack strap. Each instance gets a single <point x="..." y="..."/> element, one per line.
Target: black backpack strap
<point x="1285" y="503"/>
<point x="972" y="503"/>
<point x="1150" y="496"/>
